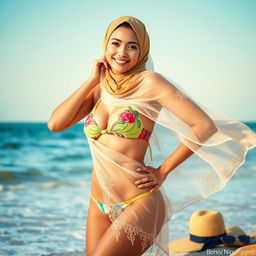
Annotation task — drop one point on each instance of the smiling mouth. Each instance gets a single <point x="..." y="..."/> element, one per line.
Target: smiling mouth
<point x="121" y="62"/>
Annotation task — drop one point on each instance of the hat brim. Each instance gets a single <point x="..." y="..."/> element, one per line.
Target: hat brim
<point x="247" y="250"/>
<point x="185" y="245"/>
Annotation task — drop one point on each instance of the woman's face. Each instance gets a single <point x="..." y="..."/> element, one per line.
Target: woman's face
<point x="123" y="50"/>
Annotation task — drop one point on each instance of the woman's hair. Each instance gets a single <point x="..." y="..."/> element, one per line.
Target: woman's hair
<point x="124" y="24"/>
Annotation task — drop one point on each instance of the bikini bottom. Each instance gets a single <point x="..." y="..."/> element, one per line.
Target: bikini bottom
<point x="116" y="209"/>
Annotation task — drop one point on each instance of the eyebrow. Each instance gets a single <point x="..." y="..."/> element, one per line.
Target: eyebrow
<point x="131" y="42"/>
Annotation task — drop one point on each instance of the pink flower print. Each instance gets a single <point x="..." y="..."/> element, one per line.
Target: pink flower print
<point x="88" y="120"/>
<point x="127" y="116"/>
<point x="144" y="134"/>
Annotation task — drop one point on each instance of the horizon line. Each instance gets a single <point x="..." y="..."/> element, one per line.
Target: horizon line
<point x="41" y="121"/>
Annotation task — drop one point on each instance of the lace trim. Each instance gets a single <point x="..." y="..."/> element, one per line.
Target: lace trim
<point x="114" y="212"/>
<point x="132" y="232"/>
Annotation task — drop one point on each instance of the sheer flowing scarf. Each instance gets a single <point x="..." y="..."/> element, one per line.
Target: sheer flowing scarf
<point x="216" y="158"/>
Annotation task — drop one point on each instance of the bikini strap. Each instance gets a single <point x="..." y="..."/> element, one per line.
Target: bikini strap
<point x="139" y="196"/>
<point x="93" y="198"/>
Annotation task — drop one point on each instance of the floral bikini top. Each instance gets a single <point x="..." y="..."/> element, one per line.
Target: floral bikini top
<point x="125" y="123"/>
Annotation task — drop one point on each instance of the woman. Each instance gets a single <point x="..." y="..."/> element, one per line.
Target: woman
<point x="125" y="106"/>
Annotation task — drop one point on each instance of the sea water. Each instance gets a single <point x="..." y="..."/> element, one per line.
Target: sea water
<point x="45" y="182"/>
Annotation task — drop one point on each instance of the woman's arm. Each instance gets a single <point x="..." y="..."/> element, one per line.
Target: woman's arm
<point x="74" y="108"/>
<point x="202" y="128"/>
<point x="78" y="104"/>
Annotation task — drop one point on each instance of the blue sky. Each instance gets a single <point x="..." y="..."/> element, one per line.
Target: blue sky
<point x="48" y="47"/>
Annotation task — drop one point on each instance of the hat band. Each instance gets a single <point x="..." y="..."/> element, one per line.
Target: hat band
<point x="211" y="241"/>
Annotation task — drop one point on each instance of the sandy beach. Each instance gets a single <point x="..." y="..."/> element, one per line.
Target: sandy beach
<point x="221" y="251"/>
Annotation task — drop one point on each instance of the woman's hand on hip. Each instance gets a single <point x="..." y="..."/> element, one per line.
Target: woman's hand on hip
<point x="153" y="178"/>
<point x="96" y="70"/>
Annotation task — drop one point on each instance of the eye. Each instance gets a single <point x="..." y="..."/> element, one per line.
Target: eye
<point x="115" y="43"/>
<point x="134" y="47"/>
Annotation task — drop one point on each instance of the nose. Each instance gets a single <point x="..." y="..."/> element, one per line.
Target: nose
<point x="121" y="51"/>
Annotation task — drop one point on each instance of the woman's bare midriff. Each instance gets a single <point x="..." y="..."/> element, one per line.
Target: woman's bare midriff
<point x="132" y="148"/>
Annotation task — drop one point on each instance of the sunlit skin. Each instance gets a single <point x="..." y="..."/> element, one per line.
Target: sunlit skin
<point x="122" y="55"/>
<point x="123" y="51"/>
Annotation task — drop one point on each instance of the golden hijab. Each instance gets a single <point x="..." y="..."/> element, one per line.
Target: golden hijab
<point x="121" y="83"/>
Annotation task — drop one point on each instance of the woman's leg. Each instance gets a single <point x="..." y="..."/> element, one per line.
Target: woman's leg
<point x="96" y="226"/>
<point x="141" y="222"/>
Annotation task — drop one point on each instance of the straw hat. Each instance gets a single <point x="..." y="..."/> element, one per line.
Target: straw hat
<point x="248" y="250"/>
<point x="207" y="230"/>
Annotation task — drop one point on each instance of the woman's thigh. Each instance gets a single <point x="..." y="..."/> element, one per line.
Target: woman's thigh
<point x="97" y="224"/>
<point x="132" y="233"/>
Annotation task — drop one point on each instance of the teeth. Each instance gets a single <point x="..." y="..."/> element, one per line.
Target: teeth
<point x="121" y="61"/>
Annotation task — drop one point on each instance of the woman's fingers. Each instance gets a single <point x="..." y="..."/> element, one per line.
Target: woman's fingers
<point x="148" y="184"/>
<point x="152" y="179"/>
<point x="144" y="180"/>
<point x="102" y="62"/>
<point x="154" y="188"/>
<point x="149" y="181"/>
<point x="97" y="67"/>
<point x="105" y="64"/>
<point x="104" y="59"/>
<point x="143" y="170"/>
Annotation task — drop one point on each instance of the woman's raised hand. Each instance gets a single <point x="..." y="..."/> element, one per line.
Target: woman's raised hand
<point x="97" y="66"/>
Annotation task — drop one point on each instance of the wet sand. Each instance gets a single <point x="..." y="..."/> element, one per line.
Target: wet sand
<point x="223" y="251"/>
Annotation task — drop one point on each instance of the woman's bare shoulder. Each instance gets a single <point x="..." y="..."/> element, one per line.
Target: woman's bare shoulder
<point x="152" y="77"/>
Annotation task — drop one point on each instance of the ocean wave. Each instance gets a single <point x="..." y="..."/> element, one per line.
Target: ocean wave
<point x="44" y="185"/>
<point x="31" y="230"/>
<point x="31" y="174"/>
<point x="13" y="187"/>
<point x="69" y="157"/>
<point x="12" y="145"/>
<point x="68" y="136"/>
<point x="17" y="178"/>
<point x="253" y="167"/>
<point x="253" y="195"/>
<point x="75" y="253"/>
<point x="54" y="184"/>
